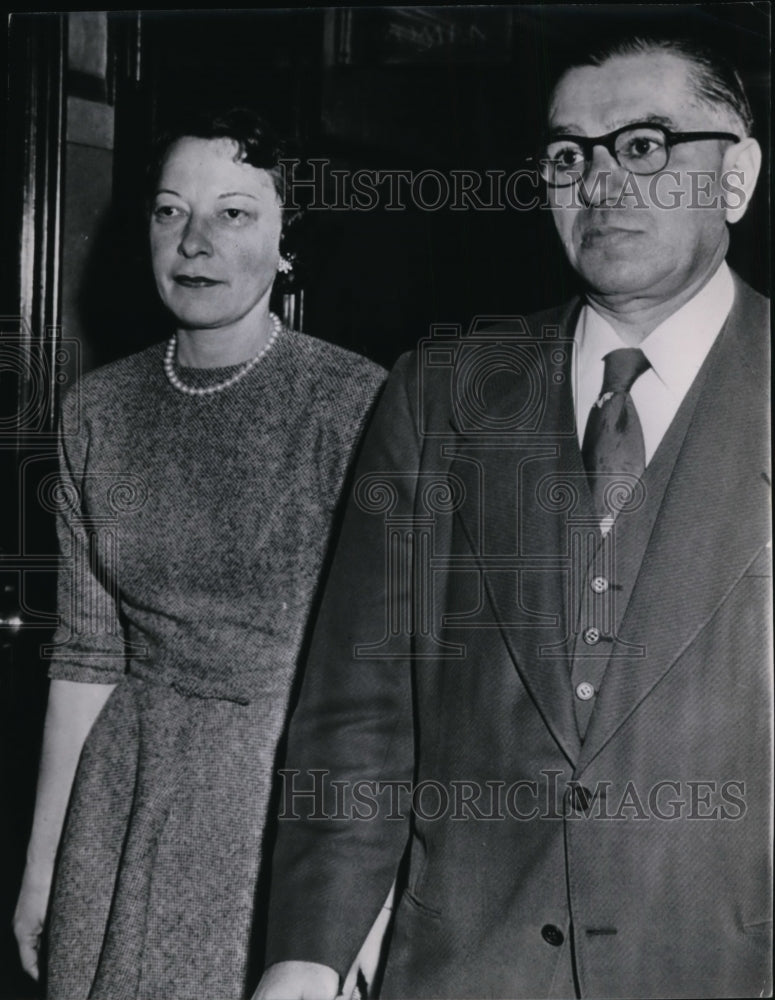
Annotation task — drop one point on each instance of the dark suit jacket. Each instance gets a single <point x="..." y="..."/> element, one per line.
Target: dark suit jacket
<point x="634" y="863"/>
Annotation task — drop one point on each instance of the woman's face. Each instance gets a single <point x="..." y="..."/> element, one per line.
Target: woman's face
<point x="215" y="233"/>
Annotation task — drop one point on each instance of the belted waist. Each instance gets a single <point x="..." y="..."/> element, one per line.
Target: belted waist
<point x="189" y="685"/>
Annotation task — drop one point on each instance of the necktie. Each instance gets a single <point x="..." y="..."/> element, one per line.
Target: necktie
<point x="613" y="439"/>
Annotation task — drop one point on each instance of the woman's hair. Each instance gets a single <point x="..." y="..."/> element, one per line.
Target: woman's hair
<point x="257" y="144"/>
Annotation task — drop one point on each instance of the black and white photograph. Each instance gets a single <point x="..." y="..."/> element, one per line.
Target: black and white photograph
<point x="386" y="562"/>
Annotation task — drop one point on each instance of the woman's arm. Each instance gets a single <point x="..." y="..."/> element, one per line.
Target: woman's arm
<point x="72" y="709"/>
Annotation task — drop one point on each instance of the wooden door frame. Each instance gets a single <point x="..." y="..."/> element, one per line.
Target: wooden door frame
<point x="33" y="130"/>
<point x="35" y="140"/>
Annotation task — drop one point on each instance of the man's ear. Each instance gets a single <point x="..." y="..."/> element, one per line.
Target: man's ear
<point x="740" y="169"/>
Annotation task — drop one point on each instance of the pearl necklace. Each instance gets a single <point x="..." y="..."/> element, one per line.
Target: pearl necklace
<point x="208" y="390"/>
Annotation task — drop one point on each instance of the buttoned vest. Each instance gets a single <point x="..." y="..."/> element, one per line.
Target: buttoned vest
<point x="607" y="581"/>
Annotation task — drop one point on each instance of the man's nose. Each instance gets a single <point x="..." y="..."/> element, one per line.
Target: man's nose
<point x="603" y="179"/>
<point x="195" y="238"/>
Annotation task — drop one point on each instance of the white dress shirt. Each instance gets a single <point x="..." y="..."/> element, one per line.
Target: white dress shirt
<point x="675" y="349"/>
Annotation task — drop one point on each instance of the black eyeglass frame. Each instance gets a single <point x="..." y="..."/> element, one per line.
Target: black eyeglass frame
<point x="587" y="144"/>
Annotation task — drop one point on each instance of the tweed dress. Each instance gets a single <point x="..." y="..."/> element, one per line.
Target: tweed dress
<point x="192" y="531"/>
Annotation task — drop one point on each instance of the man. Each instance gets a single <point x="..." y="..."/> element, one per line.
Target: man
<point x="546" y="624"/>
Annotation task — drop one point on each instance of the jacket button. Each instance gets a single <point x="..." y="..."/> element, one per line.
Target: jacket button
<point x="552" y="935"/>
<point x="599" y="584"/>
<point x="591" y="635"/>
<point x="579" y="798"/>
<point x="585" y="691"/>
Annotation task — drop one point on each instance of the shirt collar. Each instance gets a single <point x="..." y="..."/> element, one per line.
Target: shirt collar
<point x="676" y="348"/>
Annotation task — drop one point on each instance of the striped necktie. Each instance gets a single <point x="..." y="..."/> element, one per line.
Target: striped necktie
<point x="613" y="440"/>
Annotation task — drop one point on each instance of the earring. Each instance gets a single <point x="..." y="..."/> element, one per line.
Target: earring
<point x="285" y="265"/>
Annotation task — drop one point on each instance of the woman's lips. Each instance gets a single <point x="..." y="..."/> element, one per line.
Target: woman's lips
<point x="194" y="281"/>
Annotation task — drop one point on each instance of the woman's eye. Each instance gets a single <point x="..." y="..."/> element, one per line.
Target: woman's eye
<point x="235" y="214"/>
<point x="165" y="213"/>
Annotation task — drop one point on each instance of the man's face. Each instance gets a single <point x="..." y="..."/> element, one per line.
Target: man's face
<point x="641" y="237"/>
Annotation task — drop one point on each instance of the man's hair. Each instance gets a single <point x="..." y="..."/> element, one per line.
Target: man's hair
<point x="257" y="145"/>
<point x="715" y="81"/>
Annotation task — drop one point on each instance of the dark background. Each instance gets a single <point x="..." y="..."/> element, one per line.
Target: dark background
<point x="418" y="88"/>
<point x="447" y="88"/>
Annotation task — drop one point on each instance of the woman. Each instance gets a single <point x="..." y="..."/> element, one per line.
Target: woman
<point x="197" y="488"/>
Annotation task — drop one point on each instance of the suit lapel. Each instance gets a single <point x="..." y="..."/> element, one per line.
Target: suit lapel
<point x="521" y="487"/>
<point x="710" y="524"/>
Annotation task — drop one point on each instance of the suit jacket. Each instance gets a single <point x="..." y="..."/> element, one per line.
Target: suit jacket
<point x="436" y="732"/>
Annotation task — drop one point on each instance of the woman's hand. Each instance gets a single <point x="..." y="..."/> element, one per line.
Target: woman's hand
<point x="72" y="709"/>
<point x="30" y="915"/>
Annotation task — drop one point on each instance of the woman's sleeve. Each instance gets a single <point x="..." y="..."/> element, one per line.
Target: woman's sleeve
<point x="88" y="644"/>
<point x="346" y="399"/>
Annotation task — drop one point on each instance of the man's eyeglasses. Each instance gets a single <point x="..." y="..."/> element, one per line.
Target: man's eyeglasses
<point x="641" y="148"/>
